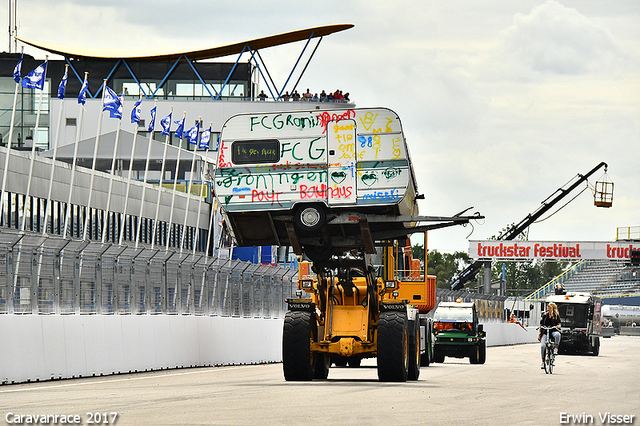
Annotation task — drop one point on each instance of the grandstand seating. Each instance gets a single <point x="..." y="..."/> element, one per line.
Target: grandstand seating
<point x="606" y="278"/>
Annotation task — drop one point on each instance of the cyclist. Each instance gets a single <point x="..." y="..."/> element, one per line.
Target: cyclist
<point x="551" y="318"/>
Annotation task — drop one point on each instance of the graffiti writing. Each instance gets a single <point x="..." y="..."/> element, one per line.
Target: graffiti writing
<point x="315" y="191"/>
<point x="341" y="192"/>
<point x="369" y="178"/>
<point x="269" y="196"/>
<point x="391" y="172"/>
<point x="325" y="117"/>
<point x="280" y="121"/>
<point x="390" y="196"/>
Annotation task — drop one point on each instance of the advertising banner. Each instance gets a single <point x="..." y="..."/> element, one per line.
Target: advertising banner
<point x="552" y="250"/>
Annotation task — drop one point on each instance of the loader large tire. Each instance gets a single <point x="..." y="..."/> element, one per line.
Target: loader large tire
<point x="393" y="347"/>
<point x="414" y="350"/>
<point x="298" y="362"/>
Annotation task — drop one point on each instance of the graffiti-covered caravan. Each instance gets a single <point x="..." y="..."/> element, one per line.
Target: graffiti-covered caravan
<point x="309" y="170"/>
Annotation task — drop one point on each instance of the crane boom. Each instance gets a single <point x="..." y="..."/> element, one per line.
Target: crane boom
<point x="470" y="271"/>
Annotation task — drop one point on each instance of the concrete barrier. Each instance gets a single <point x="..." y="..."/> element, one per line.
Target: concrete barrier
<point x="44" y="347"/>
<point x="38" y="347"/>
<point x="500" y="334"/>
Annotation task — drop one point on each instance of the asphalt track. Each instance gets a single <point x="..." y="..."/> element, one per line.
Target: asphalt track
<point x="510" y="389"/>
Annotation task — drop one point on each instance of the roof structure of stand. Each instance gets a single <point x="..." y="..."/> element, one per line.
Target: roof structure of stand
<point x="252" y="47"/>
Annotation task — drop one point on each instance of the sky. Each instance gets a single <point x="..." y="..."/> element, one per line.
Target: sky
<point x="502" y="102"/>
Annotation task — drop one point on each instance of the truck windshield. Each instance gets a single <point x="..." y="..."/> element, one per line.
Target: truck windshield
<point x="453" y="313"/>
<point x="573" y="315"/>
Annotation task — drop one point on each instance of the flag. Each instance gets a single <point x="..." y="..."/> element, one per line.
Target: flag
<point x="35" y="79"/>
<point x="112" y="103"/>
<point x="83" y="92"/>
<point x="135" y="112"/>
<point x="193" y="133"/>
<point x="166" y="125"/>
<point x="62" y="86"/>
<point x="217" y="143"/>
<point x="17" y="70"/>
<point x="204" y="139"/>
<point x="152" y="122"/>
<point x="180" y="129"/>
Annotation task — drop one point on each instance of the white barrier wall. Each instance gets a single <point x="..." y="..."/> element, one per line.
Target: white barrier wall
<point x="44" y="347"/>
<point x="500" y="334"/>
<point x="39" y="347"/>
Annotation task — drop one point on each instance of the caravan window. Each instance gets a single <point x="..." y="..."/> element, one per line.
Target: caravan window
<point x="255" y="152"/>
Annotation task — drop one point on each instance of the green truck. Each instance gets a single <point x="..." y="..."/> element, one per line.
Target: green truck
<point x="458" y="333"/>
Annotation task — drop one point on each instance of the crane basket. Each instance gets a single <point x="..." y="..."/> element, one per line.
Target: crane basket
<point x="603" y="192"/>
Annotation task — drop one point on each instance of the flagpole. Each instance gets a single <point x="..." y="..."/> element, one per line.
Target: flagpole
<point x="33" y="150"/>
<point x="175" y="178"/>
<point x="73" y="165"/>
<point x="146" y="179"/>
<point x="6" y="159"/>
<point x="188" y="189"/>
<point x="95" y="160"/>
<point x="205" y="162"/>
<point x="47" y="207"/>
<point x="164" y="161"/>
<point x="113" y="171"/>
<point x="129" y="178"/>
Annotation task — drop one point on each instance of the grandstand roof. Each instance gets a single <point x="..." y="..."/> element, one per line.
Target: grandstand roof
<point x="208" y="53"/>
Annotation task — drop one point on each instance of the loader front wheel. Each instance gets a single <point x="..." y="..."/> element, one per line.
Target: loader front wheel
<point x="414" y="350"/>
<point x="393" y="347"/>
<point x="298" y="361"/>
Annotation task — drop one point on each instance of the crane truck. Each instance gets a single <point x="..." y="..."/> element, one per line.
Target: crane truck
<point x="338" y="187"/>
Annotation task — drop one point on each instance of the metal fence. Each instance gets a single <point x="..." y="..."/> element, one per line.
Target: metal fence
<point x="50" y="275"/>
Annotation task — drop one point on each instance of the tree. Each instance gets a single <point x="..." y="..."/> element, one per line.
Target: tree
<point x="446" y="266"/>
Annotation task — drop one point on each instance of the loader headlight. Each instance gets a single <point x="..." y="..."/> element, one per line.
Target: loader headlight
<point x="389" y="284"/>
<point x="307" y="283"/>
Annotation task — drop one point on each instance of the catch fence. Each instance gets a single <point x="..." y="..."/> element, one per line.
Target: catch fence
<point x="48" y="275"/>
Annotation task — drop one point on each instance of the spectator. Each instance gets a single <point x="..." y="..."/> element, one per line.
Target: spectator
<point x="323" y="96"/>
<point x="346" y="97"/>
<point x="262" y="96"/>
<point x="286" y="96"/>
<point x="315" y="98"/>
<point x="307" y="95"/>
<point x="330" y="97"/>
<point x="295" y="96"/>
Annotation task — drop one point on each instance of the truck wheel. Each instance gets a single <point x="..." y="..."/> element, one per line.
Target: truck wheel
<point x="595" y="348"/>
<point x="483" y="352"/>
<point x="323" y="362"/>
<point x="438" y="357"/>
<point x="426" y="358"/>
<point x="309" y="218"/>
<point x="354" y="362"/>
<point x="298" y="333"/>
<point x="393" y="347"/>
<point x="474" y="354"/>
<point x="414" y="350"/>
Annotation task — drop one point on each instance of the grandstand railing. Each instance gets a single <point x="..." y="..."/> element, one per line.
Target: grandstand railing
<point x="542" y="292"/>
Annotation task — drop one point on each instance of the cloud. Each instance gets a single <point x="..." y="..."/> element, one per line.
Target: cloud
<point x="559" y="40"/>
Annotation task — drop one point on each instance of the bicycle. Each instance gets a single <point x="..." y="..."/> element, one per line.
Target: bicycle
<point x="549" y="354"/>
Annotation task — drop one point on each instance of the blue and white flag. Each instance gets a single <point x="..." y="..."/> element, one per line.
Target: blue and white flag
<point x="112" y="103"/>
<point x="35" y="79"/>
<point x="166" y="125"/>
<point x="135" y="112"/>
<point x="205" y="138"/>
<point x="193" y="133"/>
<point x="217" y="143"/>
<point x="62" y="86"/>
<point x="180" y="129"/>
<point x="18" y="70"/>
<point x="83" y="92"/>
<point x="152" y="122"/>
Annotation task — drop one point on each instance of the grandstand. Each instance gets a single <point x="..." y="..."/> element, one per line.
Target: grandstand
<point x="605" y="278"/>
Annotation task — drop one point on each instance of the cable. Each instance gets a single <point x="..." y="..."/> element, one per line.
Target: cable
<point x="563" y="206"/>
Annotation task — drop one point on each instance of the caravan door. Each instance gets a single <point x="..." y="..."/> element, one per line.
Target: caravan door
<point x="341" y="173"/>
